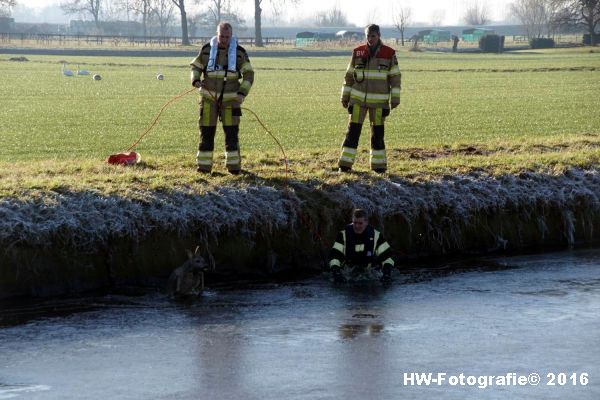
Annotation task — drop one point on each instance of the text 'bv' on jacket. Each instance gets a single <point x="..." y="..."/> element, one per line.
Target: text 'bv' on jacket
<point x="370" y="247"/>
<point x="372" y="80"/>
<point x="213" y="81"/>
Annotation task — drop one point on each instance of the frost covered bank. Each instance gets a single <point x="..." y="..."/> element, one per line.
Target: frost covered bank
<point x="61" y="242"/>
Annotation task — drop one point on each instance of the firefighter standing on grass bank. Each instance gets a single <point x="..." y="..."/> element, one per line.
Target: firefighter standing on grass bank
<point x="371" y="85"/>
<point x="360" y="249"/>
<point x="223" y="64"/>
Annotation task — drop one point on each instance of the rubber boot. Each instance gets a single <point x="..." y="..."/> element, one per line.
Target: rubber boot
<point x="233" y="159"/>
<point x="378" y="154"/>
<point x="204" y="158"/>
<point x="349" y="147"/>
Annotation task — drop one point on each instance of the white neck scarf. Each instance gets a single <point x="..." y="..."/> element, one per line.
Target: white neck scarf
<point x="231" y="55"/>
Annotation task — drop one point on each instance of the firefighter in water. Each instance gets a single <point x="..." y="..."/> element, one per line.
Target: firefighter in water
<point x="371" y="85"/>
<point x="360" y="249"/>
<point x="217" y="72"/>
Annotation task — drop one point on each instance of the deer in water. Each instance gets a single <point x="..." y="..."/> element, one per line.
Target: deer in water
<point x="188" y="279"/>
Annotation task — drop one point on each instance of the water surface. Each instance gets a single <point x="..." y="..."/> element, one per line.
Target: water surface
<point x="311" y="340"/>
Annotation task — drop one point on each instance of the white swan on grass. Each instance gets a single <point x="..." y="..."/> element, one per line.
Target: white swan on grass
<point x="82" y="71"/>
<point x="66" y="71"/>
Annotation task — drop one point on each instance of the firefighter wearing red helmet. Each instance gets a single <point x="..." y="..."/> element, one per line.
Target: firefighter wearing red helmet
<point x="371" y="85"/>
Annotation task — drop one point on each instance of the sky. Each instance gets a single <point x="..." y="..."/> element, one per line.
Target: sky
<point x="359" y="12"/>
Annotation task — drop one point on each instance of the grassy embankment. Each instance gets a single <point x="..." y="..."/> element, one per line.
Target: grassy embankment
<point x="459" y="113"/>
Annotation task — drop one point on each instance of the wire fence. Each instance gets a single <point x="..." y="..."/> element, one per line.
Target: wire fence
<point x="12" y="38"/>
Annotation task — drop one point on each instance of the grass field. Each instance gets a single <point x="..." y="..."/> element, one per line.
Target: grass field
<point x="459" y="113"/>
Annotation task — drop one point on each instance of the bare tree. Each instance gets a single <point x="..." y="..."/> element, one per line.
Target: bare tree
<point x="142" y="8"/>
<point x="590" y="16"/>
<point x="180" y="4"/>
<point x="534" y="15"/>
<point x="477" y="13"/>
<point x="258" y="15"/>
<point x="332" y="17"/>
<point x="437" y="17"/>
<point x="258" y="23"/>
<point x="278" y="8"/>
<point x="6" y="7"/>
<point x="164" y="12"/>
<point x="194" y="20"/>
<point x="219" y="11"/>
<point x="583" y="13"/>
<point x="214" y="9"/>
<point x="123" y="8"/>
<point x="402" y="19"/>
<point x="112" y="10"/>
<point x="82" y="7"/>
<point x="208" y="19"/>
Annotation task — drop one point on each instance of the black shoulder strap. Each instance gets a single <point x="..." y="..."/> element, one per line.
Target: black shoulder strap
<point x="220" y="99"/>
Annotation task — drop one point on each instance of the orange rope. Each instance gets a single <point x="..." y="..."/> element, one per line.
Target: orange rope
<point x="285" y="159"/>
<point x="155" y="120"/>
<point x="303" y="217"/>
<point x="180" y="95"/>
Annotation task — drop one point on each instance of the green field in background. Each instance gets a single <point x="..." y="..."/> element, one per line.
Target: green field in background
<point x="520" y="101"/>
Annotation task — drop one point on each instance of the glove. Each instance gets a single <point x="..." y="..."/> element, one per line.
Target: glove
<point x="345" y="103"/>
<point x="394" y="105"/>
<point x="336" y="272"/>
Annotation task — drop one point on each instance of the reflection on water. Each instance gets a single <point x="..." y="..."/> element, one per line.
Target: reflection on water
<point x="313" y="340"/>
<point x="544" y="292"/>
<point x="593" y="285"/>
<point x="350" y="331"/>
<point x="16" y="391"/>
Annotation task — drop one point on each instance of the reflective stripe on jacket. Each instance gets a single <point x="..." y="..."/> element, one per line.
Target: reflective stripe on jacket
<point x="382" y="250"/>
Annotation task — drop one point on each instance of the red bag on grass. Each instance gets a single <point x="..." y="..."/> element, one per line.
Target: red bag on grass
<point x="124" y="158"/>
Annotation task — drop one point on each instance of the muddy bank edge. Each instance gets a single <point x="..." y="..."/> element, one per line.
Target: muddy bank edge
<point x="68" y="242"/>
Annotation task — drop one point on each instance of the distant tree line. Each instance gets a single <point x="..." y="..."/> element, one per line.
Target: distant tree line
<point x="545" y="17"/>
<point x="332" y="17"/>
<point x="477" y="13"/>
<point x="163" y="12"/>
<point x="539" y="17"/>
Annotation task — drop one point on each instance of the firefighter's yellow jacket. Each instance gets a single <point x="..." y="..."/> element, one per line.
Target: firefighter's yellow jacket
<point x="372" y="78"/>
<point x="238" y="82"/>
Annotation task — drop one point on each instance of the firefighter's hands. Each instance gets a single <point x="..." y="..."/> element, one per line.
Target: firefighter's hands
<point x="394" y="105"/>
<point x="197" y="84"/>
<point x="345" y="103"/>
<point x="240" y="98"/>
